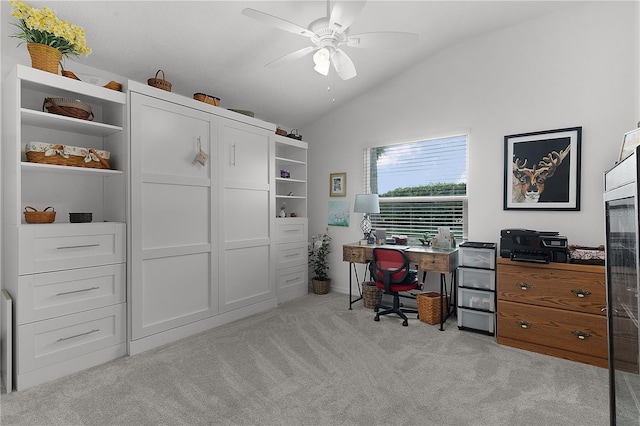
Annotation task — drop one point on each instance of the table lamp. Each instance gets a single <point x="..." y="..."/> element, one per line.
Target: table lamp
<point x="367" y="204"/>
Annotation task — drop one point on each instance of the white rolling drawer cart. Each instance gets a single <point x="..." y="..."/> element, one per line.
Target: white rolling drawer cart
<point x="476" y="287"/>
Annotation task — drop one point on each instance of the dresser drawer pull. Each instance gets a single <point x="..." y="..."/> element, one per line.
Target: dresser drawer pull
<point x="581" y="293"/>
<point x="524" y="286"/>
<point x="582" y="335"/>
<point x="524" y="324"/>
<point x="291" y="230"/>
<point x="292" y="255"/>
<point x="62" y="339"/>
<point x="77" y="291"/>
<point x="292" y="280"/>
<point x="75" y="247"/>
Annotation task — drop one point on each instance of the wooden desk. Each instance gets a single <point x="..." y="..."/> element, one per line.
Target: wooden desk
<point x="428" y="259"/>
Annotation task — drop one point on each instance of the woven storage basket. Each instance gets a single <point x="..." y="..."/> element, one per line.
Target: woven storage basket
<point x="207" y="99"/>
<point x="32" y="215"/>
<point x="68" y="107"/>
<point x="371" y="295"/>
<point x="65" y="155"/>
<point x="160" y="83"/>
<point x="321" y="287"/>
<point x="113" y="85"/>
<point x="69" y="74"/>
<point x="428" y="307"/>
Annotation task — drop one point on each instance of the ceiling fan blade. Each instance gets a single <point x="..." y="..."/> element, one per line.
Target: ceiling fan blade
<point x="291" y="56"/>
<point x="343" y="65"/>
<point x="344" y="13"/>
<point x="274" y="21"/>
<point x="383" y="40"/>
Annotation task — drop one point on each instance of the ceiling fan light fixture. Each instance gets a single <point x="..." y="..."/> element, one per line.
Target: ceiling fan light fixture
<point x="322" y="68"/>
<point x="322" y="57"/>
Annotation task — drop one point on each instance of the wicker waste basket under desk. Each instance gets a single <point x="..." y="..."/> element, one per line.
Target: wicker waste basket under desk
<point x="371" y="295"/>
<point x="428" y="310"/>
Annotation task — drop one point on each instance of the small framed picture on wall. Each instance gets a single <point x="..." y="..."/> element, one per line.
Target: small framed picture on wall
<point x="542" y="170"/>
<point x="338" y="185"/>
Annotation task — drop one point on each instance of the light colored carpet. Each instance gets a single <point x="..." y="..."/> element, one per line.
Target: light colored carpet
<point x="312" y="361"/>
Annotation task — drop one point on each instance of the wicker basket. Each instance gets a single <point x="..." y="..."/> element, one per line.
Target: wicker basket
<point x="371" y="295"/>
<point x="113" y="85"/>
<point x="160" y="83"/>
<point x="69" y="74"/>
<point x="207" y="99"/>
<point x="68" y="107"/>
<point x="428" y="307"/>
<point x="321" y="287"/>
<point x="65" y="155"/>
<point x="32" y="215"/>
<point x="281" y="132"/>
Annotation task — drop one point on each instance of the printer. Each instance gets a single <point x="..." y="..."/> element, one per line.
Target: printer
<point x="527" y="245"/>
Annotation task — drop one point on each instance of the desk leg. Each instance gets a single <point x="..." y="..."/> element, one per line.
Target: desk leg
<point x="450" y="299"/>
<point x="352" y="268"/>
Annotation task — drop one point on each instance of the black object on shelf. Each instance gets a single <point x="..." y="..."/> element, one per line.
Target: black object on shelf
<point x="80" y="217"/>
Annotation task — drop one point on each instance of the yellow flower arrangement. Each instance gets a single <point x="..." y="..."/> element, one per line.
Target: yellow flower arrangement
<point x="43" y="26"/>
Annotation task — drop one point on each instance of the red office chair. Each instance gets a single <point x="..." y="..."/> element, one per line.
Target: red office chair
<point x="390" y="270"/>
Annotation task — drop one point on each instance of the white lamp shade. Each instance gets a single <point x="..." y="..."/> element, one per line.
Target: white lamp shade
<point x="366" y="203"/>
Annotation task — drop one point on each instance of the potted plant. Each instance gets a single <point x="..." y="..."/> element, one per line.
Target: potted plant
<point x="318" y="251"/>
<point x="48" y="38"/>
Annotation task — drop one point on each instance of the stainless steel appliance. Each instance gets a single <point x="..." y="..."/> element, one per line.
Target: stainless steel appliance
<point x="621" y="218"/>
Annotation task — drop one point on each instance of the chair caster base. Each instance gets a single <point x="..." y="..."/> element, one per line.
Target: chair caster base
<point x="377" y="318"/>
<point x="405" y="323"/>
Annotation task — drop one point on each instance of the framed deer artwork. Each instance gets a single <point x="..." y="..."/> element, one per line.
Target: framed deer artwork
<point x="542" y="170"/>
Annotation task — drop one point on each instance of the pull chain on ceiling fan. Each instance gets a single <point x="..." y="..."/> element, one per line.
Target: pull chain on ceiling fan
<point x="328" y="33"/>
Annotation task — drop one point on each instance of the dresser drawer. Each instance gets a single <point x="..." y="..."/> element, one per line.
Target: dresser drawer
<point x="55" y="247"/>
<point x="51" y="294"/>
<point x="288" y="278"/>
<point x="292" y="254"/>
<point x="290" y="230"/>
<point x="554" y="288"/>
<point x="565" y="330"/>
<point x="477" y="278"/>
<point x="48" y="342"/>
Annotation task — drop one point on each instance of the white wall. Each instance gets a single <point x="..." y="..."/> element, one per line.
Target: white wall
<point x="576" y="67"/>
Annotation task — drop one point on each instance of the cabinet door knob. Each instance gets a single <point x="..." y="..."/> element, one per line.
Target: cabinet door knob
<point x="581" y="293"/>
<point x="524" y="324"/>
<point x="524" y="286"/>
<point x="582" y="335"/>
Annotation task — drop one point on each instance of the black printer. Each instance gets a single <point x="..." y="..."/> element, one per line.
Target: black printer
<point x="527" y="245"/>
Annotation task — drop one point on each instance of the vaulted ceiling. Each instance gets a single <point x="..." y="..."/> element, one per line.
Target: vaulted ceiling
<point x="211" y="47"/>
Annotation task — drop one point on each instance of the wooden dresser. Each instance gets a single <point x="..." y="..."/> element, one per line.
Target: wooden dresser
<point x="557" y="309"/>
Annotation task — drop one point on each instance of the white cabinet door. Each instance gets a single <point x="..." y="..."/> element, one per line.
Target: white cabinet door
<point x="247" y="275"/>
<point x="173" y="209"/>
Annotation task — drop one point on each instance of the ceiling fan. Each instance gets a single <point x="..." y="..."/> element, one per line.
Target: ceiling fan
<point x="329" y="33"/>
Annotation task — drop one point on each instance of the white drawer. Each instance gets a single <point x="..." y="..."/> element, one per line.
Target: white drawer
<point x="292" y="277"/>
<point x="48" y="342"/>
<point x="56" y="247"/>
<point x="292" y="254"/>
<point x="477" y="258"/>
<point x="476" y="299"/>
<point x="51" y="294"/>
<point x="477" y="278"/>
<point x="290" y="230"/>
<point x="481" y="321"/>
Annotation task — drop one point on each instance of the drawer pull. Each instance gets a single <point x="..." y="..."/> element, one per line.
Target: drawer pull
<point x="581" y="293"/>
<point x="75" y="247"/>
<point x="524" y="324"/>
<point x="292" y="255"/>
<point x="582" y="335"/>
<point x="77" y="291"/>
<point x="290" y="230"/>
<point x="524" y="286"/>
<point x="62" y="339"/>
<point x="291" y="280"/>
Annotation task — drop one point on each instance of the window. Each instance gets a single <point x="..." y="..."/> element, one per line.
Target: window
<point x="422" y="185"/>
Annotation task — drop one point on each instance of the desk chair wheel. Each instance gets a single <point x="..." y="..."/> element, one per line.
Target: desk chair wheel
<point x="377" y="318"/>
<point x="405" y="323"/>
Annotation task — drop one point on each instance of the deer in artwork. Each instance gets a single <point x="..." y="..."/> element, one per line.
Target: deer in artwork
<point x="528" y="183"/>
